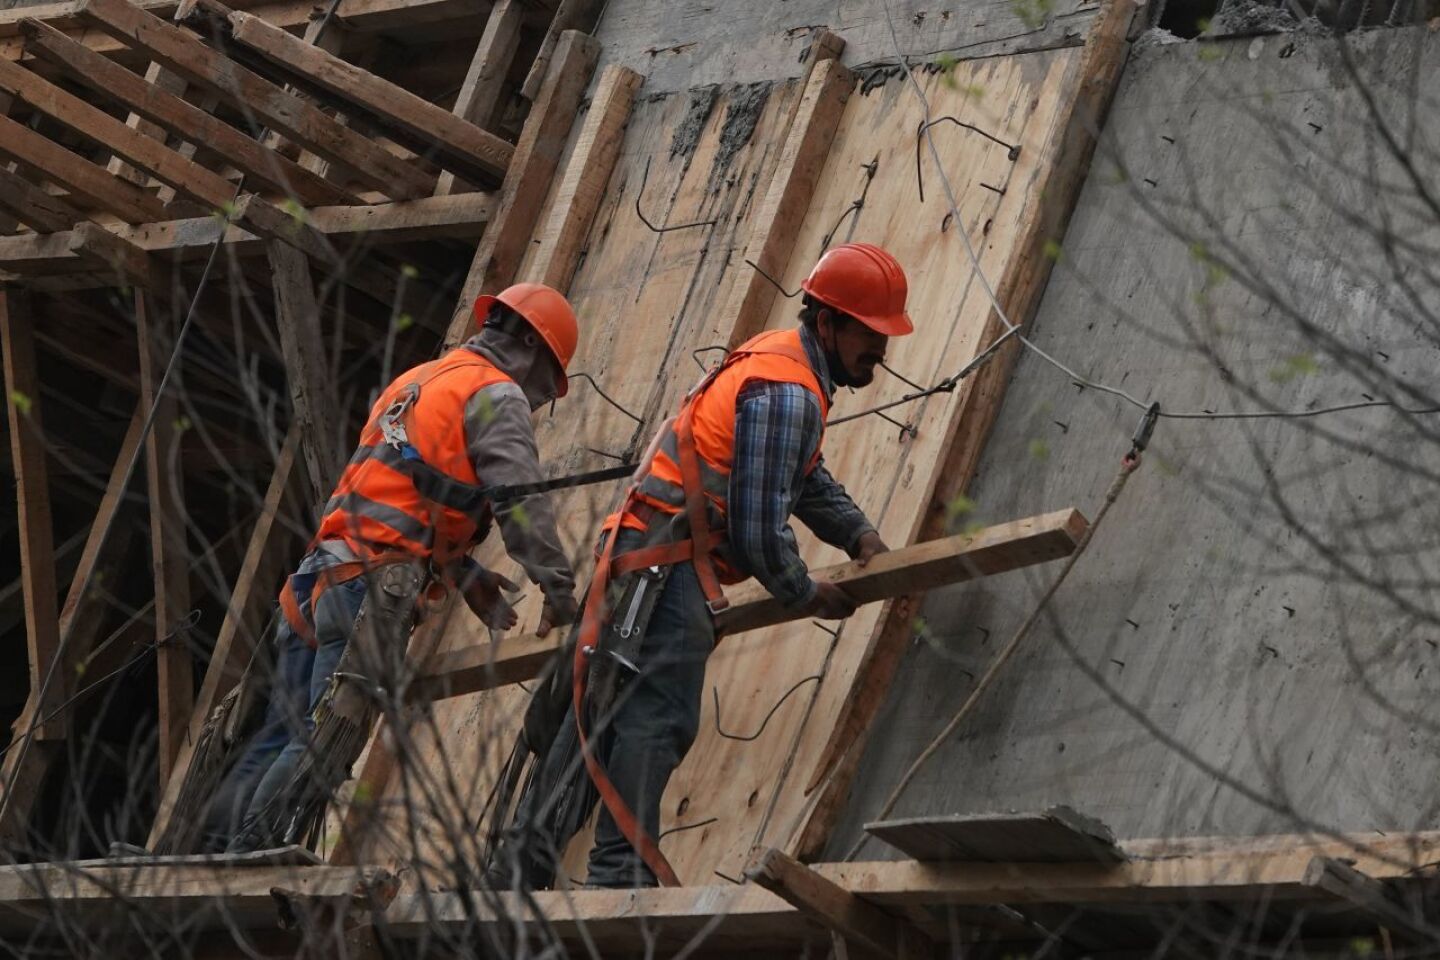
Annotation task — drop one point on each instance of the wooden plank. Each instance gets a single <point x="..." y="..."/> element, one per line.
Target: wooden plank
<point x="32" y="494"/>
<point x="129" y="264"/>
<point x="1088" y="85"/>
<point x="569" y="15"/>
<point x="537" y="154"/>
<point x="788" y="198"/>
<point x="187" y="177"/>
<point x="265" y="558"/>
<point x="158" y="77"/>
<point x="33" y="206"/>
<point x="181" y="118"/>
<point x="313" y="405"/>
<point x="85" y="180"/>
<point x="920" y="567"/>
<point x="837" y="908"/>
<point x="458" y="144"/>
<point x="559" y="242"/>
<point x="1369" y="896"/>
<point x="302" y="122"/>
<point x="480" y="91"/>
<point x="169" y="553"/>
<point x="430" y="218"/>
<point x="1057" y="835"/>
<point x="1006" y="546"/>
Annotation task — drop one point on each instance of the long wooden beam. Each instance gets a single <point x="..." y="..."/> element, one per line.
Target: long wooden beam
<point x="577" y="197"/>
<point x="313" y="404"/>
<point x="168" y="549"/>
<point x="299" y="120"/>
<point x="180" y="117"/>
<point x="923" y="566"/>
<point x="32" y="493"/>
<point x="33" y="206"/>
<point x="1369" y="896"/>
<point x="461" y="216"/>
<point x="830" y="904"/>
<point x="537" y="154"/>
<point x="480" y="92"/>
<point x="458" y="144"/>
<point x="268" y="549"/>
<point x="91" y="183"/>
<point x="1006" y="546"/>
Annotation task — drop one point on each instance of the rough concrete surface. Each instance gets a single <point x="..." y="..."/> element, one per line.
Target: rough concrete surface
<point x="679" y="44"/>
<point x="1252" y="643"/>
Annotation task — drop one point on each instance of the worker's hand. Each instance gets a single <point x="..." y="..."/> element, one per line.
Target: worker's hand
<point x="868" y="546"/>
<point x="482" y="590"/>
<point x="830" y="602"/>
<point x="555" y="614"/>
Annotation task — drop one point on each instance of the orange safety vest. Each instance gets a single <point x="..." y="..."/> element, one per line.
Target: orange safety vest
<point x="679" y="499"/>
<point x="377" y="508"/>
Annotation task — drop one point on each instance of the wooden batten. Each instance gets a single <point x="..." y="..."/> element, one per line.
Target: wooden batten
<point x="480" y="93"/>
<point x="89" y="182"/>
<point x="33" y="206"/>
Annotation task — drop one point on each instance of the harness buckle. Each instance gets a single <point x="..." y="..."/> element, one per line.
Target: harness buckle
<point x="718" y="604"/>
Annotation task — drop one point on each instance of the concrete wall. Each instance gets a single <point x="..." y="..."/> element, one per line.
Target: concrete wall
<point x="1252" y="643"/>
<point x="679" y="44"/>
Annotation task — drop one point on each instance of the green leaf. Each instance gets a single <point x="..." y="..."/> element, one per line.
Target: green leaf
<point x="1052" y="251"/>
<point x="21" y="402"/>
<point x="1039" y="449"/>
<point x="409" y="272"/>
<point x="404" y="322"/>
<point x="1299" y="365"/>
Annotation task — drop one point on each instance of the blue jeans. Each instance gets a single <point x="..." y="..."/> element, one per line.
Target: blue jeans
<point x="302" y="675"/>
<point x="655" y="719"/>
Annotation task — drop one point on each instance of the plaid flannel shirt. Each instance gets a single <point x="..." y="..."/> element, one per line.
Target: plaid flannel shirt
<point x="778" y="428"/>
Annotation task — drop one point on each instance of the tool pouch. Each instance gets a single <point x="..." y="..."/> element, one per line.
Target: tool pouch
<point x="619" y="657"/>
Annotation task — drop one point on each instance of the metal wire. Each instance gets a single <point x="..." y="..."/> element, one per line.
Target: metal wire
<point x="925" y="125"/>
<point x="603" y="395"/>
<point x="715" y="692"/>
<point x="645" y="179"/>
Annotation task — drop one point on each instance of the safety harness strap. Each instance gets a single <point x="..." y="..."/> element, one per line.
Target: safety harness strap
<point x="322" y="580"/>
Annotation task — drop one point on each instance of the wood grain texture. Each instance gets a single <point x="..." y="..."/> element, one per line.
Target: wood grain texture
<point x="89" y="183"/>
<point x="313" y="404"/>
<point x="552" y="259"/>
<point x="1057" y="835"/>
<point x="299" y="120"/>
<point x="522" y="196"/>
<point x="826" y="902"/>
<point x="33" y="206"/>
<point x="181" y="118"/>
<point x="457" y="143"/>
<point x="169" y="551"/>
<point x="480" y="91"/>
<point x="1371" y="897"/>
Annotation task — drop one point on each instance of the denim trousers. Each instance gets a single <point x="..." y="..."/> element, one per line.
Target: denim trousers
<point x="302" y="675"/>
<point x="652" y="726"/>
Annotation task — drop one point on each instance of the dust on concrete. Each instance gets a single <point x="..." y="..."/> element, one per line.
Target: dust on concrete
<point x="1245" y="17"/>
<point x="747" y="103"/>
<point x="688" y="130"/>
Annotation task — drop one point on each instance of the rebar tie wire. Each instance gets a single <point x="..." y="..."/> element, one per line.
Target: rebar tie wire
<point x="645" y="179"/>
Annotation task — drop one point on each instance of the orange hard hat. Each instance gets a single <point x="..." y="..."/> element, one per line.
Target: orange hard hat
<point x="547" y="311"/>
<point x="864" y="281"/>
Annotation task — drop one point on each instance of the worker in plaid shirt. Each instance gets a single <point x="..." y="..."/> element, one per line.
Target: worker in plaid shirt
<point x="744" y="453"/>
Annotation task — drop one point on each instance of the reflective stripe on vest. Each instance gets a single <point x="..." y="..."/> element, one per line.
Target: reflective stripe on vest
<point x="376" y="506"/>
<point x="776" y="356"/>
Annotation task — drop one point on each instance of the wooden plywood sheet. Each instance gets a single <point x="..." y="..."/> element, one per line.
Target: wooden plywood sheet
<point x="755" y="788"/>
<point x="1056" y="835"/>
<point x="645" y="300"/>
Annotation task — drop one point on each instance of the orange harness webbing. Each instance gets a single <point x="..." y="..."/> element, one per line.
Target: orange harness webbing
<point x="324" y="580"/>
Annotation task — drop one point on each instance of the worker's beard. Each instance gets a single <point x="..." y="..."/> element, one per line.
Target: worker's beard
<point x="841" y="376"/>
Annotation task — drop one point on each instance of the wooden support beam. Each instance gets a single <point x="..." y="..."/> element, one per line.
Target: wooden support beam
<point x="33" y="206"/>
<point x="569" y="15"/>
<point x="1006" y="546"/>
<point x="537" y="154"/>
<point x="313" y="405"/>
<point x="168" y="550"/>
<point x="129" y="264"/>
<point x="586" y="175"/>
<point x="299" y="120"/>
<point x="457" y="144"/>
<point x="187" y="121"/>
<point x="462" y="216"/>
<point x="1370" y="897"/>
<point x="85" y="180"/>
<point x="782" y="211"/>
<point x="480" y="91"/>
<point x="32" y="493"/>
<point x="838" y="909"/>
<point x="156" y="77"/>
<point x="276" y="531"/>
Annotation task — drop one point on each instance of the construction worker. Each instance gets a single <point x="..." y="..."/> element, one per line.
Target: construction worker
<point x="410" y="505"/>
<point x="712" y="505"/>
